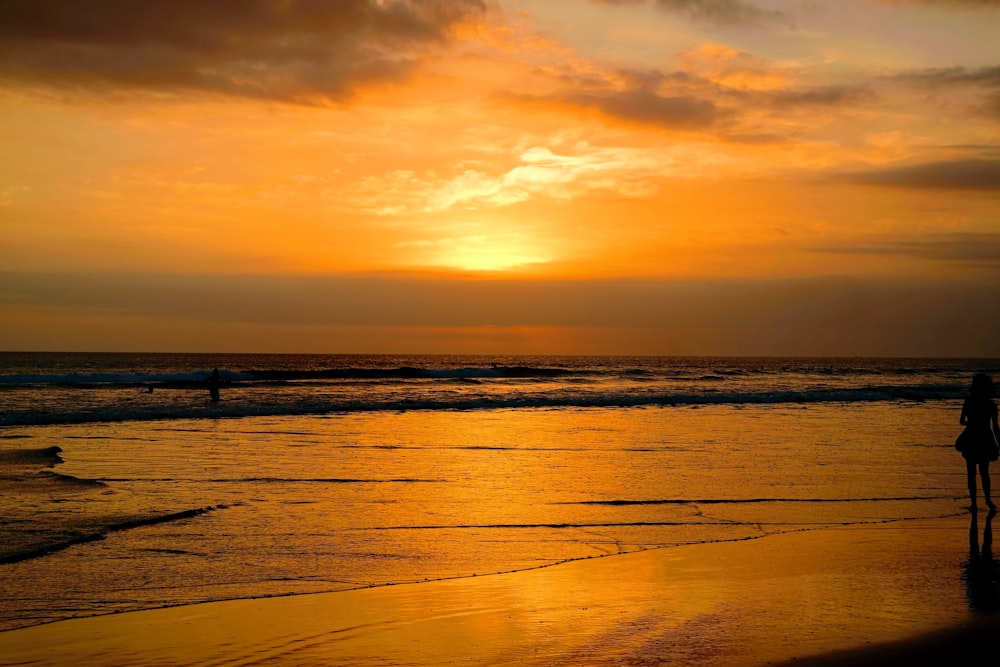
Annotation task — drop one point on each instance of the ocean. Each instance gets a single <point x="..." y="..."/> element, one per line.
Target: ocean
<point x="125" y="487"/>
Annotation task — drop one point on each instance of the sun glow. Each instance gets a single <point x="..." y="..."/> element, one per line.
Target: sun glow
<point x="485" y="254"/>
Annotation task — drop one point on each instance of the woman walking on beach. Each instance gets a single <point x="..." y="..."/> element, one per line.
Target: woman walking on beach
<point x="978" y="443"/>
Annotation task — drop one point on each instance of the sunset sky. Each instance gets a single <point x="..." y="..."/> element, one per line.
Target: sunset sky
<point x="800" y="177"/>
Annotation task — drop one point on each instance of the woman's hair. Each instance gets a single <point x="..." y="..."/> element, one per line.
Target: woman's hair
<point x="982" y="386"/>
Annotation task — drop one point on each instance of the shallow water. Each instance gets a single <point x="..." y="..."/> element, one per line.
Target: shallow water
<point x="308" y="503"/>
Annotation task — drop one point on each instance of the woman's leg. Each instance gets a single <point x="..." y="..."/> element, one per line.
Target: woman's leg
<point x="984" y="474"/>
<point x="970" y="469"/>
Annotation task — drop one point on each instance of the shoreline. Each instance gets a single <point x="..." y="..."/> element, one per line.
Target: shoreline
<point x="804" y="598"/>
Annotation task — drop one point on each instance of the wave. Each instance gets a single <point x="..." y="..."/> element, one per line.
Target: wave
<point x="64" y="542"/>
<point x="611" y="524"/>
<point x="69" y="480"/>
<point x="45" y="456"/>
<point x="303" y="403"/>
<point x="26" y="471"/>
<point x="278" y="480"/>
<point x="116" y="379"/>
<point x="197" y="377"/>
<point x="186" y="379"/>
<point x="740" y="501"/>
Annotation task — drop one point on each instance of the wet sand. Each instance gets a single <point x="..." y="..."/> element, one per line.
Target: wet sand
<point x="803" y="598"/>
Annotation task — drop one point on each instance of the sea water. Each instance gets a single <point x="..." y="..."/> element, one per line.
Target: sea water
<point x="125" y="487"/>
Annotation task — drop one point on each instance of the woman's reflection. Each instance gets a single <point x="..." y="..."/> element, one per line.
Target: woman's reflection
<point x="981" y="580"/>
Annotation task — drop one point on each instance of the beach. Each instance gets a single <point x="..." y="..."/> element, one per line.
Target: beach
<point x="427" y="510"/>
<point x="773" y="600"/>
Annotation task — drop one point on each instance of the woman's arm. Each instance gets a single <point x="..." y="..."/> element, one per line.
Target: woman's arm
<point x="964" y="418"/>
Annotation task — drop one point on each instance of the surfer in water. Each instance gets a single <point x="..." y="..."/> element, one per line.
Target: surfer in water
<point x="213" y="385"/>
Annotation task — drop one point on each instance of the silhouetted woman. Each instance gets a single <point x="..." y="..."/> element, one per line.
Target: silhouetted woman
<point x="978" y="443"/>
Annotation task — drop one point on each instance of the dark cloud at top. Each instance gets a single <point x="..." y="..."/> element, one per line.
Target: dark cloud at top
<point x="721" y="12"/>
<point x="971" y="174"/>
<point x="295" y="50"/>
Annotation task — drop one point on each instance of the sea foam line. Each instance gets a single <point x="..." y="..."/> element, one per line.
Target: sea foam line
<point x="609" y="524"/>
<point x="306" y="403"/>
<point x="740" y="501"/>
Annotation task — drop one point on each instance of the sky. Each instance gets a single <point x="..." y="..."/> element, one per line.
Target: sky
<point x="675" y="177"/>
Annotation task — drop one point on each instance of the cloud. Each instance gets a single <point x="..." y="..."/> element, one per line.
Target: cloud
<point x="538" y="172"/>
<point x="688" y="101"/>
<point x="290" y="50"/>
<point x="962" y="247"/>
<point x="712" y="88"/>
<point x="642" y="105"/>
<point x="826" y="96"/>
<point x="672" y="100"/>
<point x="961" y="4"/>
<point x="742" y="76"/>
<point x="720" y="12"/>
<point x="969" y="174"/>
<point x="992" y="105"/>
<point x="952" y="76"/>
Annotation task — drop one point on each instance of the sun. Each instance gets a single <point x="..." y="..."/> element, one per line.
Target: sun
<point x="487" y="252"/>
<point x="490" y="254"/>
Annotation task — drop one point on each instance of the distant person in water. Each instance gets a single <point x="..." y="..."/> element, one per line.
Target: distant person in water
<point x="978" y="442"/>
<point x="213" y="385"/>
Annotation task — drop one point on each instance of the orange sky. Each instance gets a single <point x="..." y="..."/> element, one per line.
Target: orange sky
<point x="559" y="176"/>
